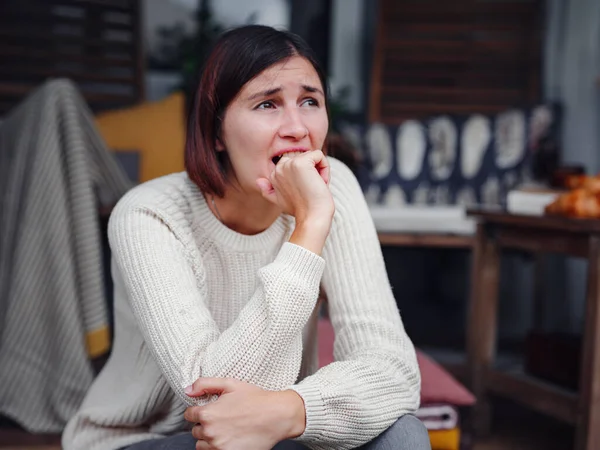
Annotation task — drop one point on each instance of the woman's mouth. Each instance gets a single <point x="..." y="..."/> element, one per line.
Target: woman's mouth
<point x="290" y="154"/>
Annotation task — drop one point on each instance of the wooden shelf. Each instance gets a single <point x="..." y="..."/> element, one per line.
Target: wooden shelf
<point x="543" y="397"/>
<point x="425" y="240"/>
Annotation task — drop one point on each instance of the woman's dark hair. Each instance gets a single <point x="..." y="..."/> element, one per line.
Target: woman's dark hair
<point x="237" y="57"/>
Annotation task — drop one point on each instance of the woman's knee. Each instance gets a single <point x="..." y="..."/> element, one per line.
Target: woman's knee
<point x="407" y="433"/>
<point x="409" y="425"/>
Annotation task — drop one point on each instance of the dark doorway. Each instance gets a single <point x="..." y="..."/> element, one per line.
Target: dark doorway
<point x="311" y="19"/>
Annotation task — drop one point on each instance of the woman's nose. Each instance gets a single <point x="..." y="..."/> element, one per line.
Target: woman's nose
<point x="292" y="125"/>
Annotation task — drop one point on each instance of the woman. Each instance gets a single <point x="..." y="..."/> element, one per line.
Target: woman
<point x="217" y="274"/>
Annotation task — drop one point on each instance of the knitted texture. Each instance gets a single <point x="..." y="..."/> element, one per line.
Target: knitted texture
<point x="194" y="299"/>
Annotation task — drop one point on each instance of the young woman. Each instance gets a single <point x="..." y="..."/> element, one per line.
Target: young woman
<point x="217" y="273"/>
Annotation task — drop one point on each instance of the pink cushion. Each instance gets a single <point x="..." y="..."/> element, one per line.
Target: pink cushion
<point x="437" y="385"/>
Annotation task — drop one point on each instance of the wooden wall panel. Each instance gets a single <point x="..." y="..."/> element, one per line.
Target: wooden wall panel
<point x="458" y="56"/>
<point x="96" y="43"/>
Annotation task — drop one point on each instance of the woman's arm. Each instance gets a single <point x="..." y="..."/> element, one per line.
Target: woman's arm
<point x="375" y="378"/>
<point x="164" y="279"/>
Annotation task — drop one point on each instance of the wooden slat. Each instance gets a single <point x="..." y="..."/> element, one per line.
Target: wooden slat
<point x="439" y="44"/>
<point x="44" y="18"/>
<point x="478" y="19"/>
<point x="24" y="53"/>
<point x="377" y="74"/>
<point x="40" y="7"/>
<point x="117" y="5"/>
<point x="17" y="72"/>
<point x="496" y="52"/>
<point x="460" y="76"/>
<point x="394" y="93"/>
<point x="446" y="8"/>
<point x="551" y="223"/>
<point x="447" y="29"/>
<point x="480" y="50"/>
<point x="95" y="43"/>
<point x="437" y="108"/>
<point x="546" y="241"/>
<point x="47" y="39"/>
<point x="424" y="80"/>
<point x="140" y="56"/>
<point x="543" y="397"/>
<point x="482" y="321"/>
<point x="426" y="240"/>
<point x="588" y="418"/>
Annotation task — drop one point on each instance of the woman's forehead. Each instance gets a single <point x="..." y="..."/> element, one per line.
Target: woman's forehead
<point x="292" y="71"/>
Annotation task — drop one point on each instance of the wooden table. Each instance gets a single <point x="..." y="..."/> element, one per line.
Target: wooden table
<point x="402" y="239"/>
<point x="497" y="230"/>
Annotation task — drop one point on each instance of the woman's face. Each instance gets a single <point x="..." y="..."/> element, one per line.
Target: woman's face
<point x="280" y="110"/>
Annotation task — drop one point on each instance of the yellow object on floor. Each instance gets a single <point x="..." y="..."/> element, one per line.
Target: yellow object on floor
<point x="97" y="342"/>
<point x="445" y="439"/>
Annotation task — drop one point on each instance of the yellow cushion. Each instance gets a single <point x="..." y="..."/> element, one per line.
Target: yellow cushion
<point x="155" y="129"/>
<point x="445" y="439"/>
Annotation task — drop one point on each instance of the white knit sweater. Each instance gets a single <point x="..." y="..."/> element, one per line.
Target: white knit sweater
<point x="195" y="299"/>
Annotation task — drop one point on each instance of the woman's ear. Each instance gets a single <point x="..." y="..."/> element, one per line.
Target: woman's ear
<point x="219" y="145"/>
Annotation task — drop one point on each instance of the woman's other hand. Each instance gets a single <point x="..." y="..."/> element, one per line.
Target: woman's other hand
<point x="244" y="415"/>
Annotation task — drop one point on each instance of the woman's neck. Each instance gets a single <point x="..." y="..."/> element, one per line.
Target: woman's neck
<point x="245" y="213"/>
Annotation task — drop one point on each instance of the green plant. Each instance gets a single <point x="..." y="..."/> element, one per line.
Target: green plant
<point x="186" y="53"/>
<point x="197" y="47"/>
<point x="338" y="106"/>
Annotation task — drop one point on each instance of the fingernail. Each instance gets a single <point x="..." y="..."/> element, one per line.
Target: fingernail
<point x="188" y="390"/>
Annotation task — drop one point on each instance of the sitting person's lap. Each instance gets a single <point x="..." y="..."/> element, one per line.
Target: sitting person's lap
<point x="407" y="433"/>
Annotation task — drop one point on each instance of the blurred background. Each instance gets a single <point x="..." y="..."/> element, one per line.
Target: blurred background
<point x="438" y="106"/>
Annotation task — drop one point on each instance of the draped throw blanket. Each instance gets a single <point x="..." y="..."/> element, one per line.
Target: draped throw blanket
<point x="55" y="170"/>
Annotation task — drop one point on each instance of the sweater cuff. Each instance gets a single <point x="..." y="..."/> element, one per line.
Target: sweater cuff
<point x="307" y="265"/>
<point x="315" y="413"/>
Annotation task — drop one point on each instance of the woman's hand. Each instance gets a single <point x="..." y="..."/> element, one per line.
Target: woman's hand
<point x="244" y="416"/>
<point x="299" y="186"/>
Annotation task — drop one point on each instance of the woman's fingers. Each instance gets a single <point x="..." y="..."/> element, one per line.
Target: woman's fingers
<point x="197" y="432"/>
<point x="322" y="165"/>
<point x="316" y="157"/>
<point x="319" y="162"/>
<point x="213" y="386"/>
<point x="267" y="190"/>
<point x="203" y="445"/>
<point x="295" y="186"/>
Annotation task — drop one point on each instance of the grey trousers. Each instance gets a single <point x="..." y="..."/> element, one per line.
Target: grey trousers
<point x="407" y="433"/>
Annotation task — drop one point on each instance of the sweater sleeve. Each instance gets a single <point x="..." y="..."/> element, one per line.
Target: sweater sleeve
<point x="165" y="283"/>
<point x="375" y="378"/>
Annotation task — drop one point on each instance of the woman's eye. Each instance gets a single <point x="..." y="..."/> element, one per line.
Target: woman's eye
<point x="266" y="105"/>
<point x="310" y="102"/>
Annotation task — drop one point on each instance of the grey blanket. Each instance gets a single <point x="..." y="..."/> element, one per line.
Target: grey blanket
<point x="54" y="171"/>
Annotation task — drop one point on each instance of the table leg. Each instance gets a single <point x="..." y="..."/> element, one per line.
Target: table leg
<point x="538" y="291"/>
<point x="588" y="420"/>
<point x="482" y="323"/>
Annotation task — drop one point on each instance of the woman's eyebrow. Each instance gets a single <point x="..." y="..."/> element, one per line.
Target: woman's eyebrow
<point x="266" y="93"/>
<point x="275" y="90"/>
<point x="312" y="89"/>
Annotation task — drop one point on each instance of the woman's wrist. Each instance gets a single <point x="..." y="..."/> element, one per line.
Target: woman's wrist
<point x="291" y="413"/>
<point x="311" y="233"/>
